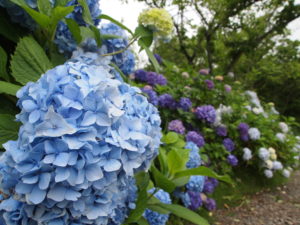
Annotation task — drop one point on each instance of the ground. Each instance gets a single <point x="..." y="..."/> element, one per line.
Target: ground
<point x="277" y="207"/>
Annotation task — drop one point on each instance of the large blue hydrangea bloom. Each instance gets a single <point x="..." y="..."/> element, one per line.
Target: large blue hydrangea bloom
<point x="84" y="135"/>
<point x="125" y="60"/>
<point x="155" y="218"/>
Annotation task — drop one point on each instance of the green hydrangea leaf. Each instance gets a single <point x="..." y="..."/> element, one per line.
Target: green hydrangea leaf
<point x="8" y="128"/>
<point x="3" y="63"/>
<point x="29" y="61"/>
<point x="8" y="88"/>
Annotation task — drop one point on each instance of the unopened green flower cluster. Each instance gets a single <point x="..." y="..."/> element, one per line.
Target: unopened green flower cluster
<point x="158" y="20"/>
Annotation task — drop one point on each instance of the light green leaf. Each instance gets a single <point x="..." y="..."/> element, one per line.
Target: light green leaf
<point x="184" y="213"/>
<point x="29" y="61"/>
<point x="177" y="159"/>
<point x="8" y="128"/>
<point x="75" y="30"/>
<point x="86" y="12"/>
<point x="44" y="7"/>
<point x="158" y="209"/>
<point x="106" y="17"/>
<point x="161" y="181"/>
<point x="170" y="138"/>
<point x="8" y="88"/>
<point x="204" y="171"/>
<point x="142" y="221"/>
<point x="96" y="34"/>
<point x="61" y="2"/>
<point x="86" y="32"/>
<point x="58" y="14"/>
<point x="3" y="63"/>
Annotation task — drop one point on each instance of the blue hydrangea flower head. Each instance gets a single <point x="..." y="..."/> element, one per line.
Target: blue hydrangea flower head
<point x="221" y="131"/>
<point x="84" y="136"/>
<point x="155" y="218"/>
<point x="194" y="156"/>
<point x="206" y="113"/>
<point x="196" y="183"/>
<point x="125" y="60"/>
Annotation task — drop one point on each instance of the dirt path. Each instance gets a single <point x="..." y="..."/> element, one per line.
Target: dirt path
<point x="280" y="207"/>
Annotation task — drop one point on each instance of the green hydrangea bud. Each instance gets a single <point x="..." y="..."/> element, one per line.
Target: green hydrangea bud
<point x="158" y="20"/>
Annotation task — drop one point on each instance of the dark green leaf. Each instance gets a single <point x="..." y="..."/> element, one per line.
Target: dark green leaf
<point x="58" y="14"/>
<point x="142" y="31"/>
<point x="142" y="180"/>
<point x="75" y="30"/>
<point x="184" y="213"/>
<point x="96" y="34"/>
<point x="106" y="17"/>
<point x="141" y="205"/>
<point x="29" y="61"/>
<point x="204" y="171"/>
<point x="161" y="181"/>
<point x="3" y="63"/>
<point x="158" y="209"/>
<point x="170" y="138"/>
<point x="44" y="7"/>
<point x="41" y="19"/>
<point x="8" y="128"/>
<point x="61" y="2"/>
<point x="151" y="56"/>
<point x="10" y="30"/>
<point x="179" y="182"/>
<point x="8" y="88"/>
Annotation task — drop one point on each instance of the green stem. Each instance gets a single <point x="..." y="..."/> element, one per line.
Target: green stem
<point x="122" y="50"/>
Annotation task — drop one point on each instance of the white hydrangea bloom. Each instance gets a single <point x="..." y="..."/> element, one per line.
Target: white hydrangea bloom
<point x="284" y="127"/>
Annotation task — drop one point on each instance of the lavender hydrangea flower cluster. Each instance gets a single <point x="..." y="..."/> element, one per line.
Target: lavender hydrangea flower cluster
<point x="150" y="78"/>
<point x="155" y="218"/>
<point x="198" y="139"/>
<point x="152" y="95"/>
<point x="229" y="144"/>
<point x="243" y="129"/>
<point x="84" y="136"/>
<point x="221" y="131"/>
<point x="232" y="160"/>
<point x="176" y="126"/>
<point x="185" y="104"/>
<point x="210" y="185"/>
<point x="191" y="200"/>
<point x="204" y="71"/>
<point x="207" y="113"/>
<point x="210" y="204"/>
<point x="167" y="101"/>
<point x="209" y="84"/>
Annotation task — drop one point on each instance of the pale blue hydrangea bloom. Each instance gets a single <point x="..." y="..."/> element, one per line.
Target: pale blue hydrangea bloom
<point x="247" y="154"/>
<point x="254" y="133"/>
<point x="263" y="154"/>
<point x="84" y="136"/>
<point x="196" y="183"/>
<point x="268" y="173"/>
<point x="155" y="218"/>
<point x="125" y="60"/>
<point x="194" y="157"/>
<point x="277" y="165"/>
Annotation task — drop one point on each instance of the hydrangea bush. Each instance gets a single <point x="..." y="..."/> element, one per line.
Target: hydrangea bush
<point x="81" y="147"/>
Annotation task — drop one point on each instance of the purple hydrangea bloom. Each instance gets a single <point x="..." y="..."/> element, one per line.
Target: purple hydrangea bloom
<point x="221" y="131"/>
<point x="229" y="144"/>
<point x="176" y="126"/>
<point x="210" y="185"/>
<point x="210" y="204"/>
<point x="228" y="88"/>
<point x="156" y="79"/>
<point x="232" y="160"/>
<point x="209" y="84"/>
<point x="141" y="75"/>
<point x="185" y="104"/>
<point x="206" y="113"/>
<point x="152" y="95"/>
<point x="158" y="58"/>
<point x="195" y="200"/>
<point x="195" y="137"/>
<point x="204" y="71"/>
<point x="243" y="129"/>
<point x="167" y="101"/>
